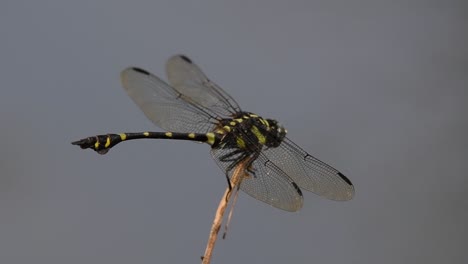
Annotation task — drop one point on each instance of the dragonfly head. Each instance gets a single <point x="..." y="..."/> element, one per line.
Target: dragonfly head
<point x="276" y="135"/>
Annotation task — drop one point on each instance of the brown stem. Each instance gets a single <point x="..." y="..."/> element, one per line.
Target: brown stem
<point x="237" y="175"/>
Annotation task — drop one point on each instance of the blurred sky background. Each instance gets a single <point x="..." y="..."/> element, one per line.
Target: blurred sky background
<point x="377" y="89"/>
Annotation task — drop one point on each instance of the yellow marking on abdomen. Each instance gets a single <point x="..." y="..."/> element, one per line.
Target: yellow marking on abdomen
<point x="191" y="135"/>
<point x="108" y="142"/>
<point x="146" y="134"/>
<point x="123" y="136"/>
<point x="210" y="138"/>
<point x="232" y="123"/>
<point x="239" y="120"/>
<point x="259" y="135"/>
<point x="227" y="128"/>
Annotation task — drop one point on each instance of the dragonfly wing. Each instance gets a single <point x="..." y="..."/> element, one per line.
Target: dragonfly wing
<point x="164" y="106"/>
<point x="310" y="173"/>
<point x="188" y="79"/>
<point x="264" y="181"/>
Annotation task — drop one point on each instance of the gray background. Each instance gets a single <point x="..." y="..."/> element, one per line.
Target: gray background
<point x="376" y="88"/>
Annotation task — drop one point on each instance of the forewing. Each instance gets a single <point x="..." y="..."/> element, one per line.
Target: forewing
<point x="163" y="105"/>
<point x="310" y="173"/>
<point x="266" y="182"/>
<point x="188" y="79"/>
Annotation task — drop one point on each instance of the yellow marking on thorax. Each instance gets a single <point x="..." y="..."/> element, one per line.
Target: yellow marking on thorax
<point x="96" y="145"/>
<point x="264" y="122"/>
<point x="168" y="134"/>
<point x="219" y="131"/>
<point x="211" y="138"/>
<point x="108" y="142"/>
<point x="253" y="115"/>
<point x="259" y="135"/>
<point x="240" y="142"/>
<point x="123" y="136"/>
<point x="191" y="135"/>
<point x="146" y="134"/>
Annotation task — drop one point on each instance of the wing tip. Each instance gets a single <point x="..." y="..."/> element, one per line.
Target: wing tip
<point x="185" y="58"/>
<point x="129" y="72"/>
<point x="344" y="178"/>
<point x="139" y="70"/>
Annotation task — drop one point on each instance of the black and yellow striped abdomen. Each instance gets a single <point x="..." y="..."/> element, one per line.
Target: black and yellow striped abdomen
<point x="103" y="143"/>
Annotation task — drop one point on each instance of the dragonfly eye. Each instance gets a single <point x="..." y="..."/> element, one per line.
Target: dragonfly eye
<point x="277" y="133"/>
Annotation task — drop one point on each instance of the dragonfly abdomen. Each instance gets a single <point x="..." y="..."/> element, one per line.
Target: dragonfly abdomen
<point x="103" y="143"/>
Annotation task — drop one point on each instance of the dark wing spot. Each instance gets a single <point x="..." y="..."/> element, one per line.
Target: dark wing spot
<point x="345" y="178"/>
<point x="297" y="188"/>
<point x="185" y="58"/>
<point x="141" y="71"/>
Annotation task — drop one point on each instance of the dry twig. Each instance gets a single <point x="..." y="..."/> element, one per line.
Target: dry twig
<point x="238" y="174"/>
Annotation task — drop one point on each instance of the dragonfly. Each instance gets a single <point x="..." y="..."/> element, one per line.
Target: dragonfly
<point x="191" y="107"/>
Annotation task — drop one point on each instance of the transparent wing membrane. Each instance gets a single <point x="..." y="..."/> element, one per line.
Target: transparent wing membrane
<point x="265" y="182"/>
<point x="163" y="105"/>
<point x="188" y="79"/>
<point x="310" y="173"/>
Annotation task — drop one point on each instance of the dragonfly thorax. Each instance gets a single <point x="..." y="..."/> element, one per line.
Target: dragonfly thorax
<point x="250" y="131"/>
